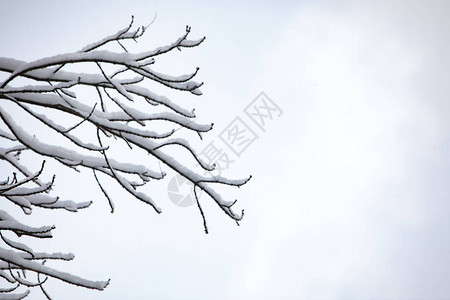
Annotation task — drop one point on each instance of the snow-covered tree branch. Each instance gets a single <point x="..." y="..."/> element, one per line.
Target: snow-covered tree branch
<point x="109" y="111"/>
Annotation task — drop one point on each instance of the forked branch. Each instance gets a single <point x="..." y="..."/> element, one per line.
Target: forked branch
<point x="121" y="108"/>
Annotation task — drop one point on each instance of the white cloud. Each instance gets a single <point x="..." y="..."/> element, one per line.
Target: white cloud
<point x="353" y="165"/>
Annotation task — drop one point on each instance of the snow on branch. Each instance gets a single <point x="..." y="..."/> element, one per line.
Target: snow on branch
<point x="111" y="112"/>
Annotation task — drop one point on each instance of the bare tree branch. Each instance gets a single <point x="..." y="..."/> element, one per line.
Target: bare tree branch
<point x="119" y="85"/>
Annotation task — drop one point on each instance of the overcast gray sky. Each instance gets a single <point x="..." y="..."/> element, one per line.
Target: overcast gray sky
<point x="349" y="197"/>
